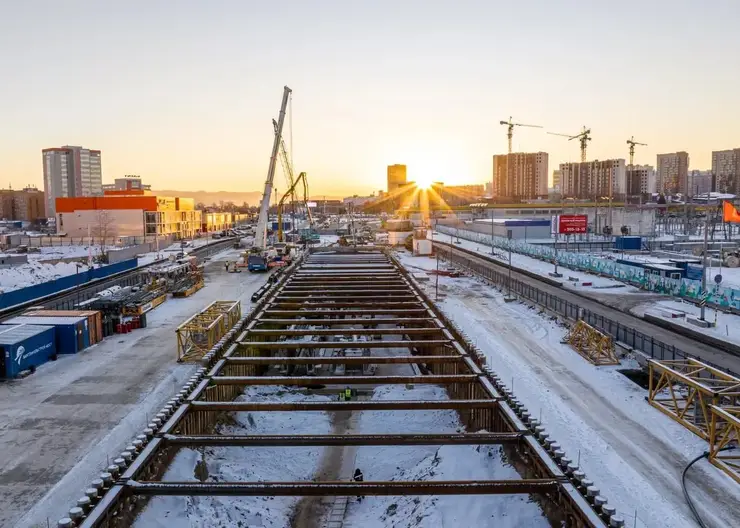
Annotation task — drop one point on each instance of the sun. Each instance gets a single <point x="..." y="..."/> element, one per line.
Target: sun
<point x="424" y="182"/>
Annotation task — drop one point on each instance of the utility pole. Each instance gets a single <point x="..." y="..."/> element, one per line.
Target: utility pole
<point x="491" y="231"/>
<point x="704" y="270"/>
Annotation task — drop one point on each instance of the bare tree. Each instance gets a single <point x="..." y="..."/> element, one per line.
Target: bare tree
<point x="103" y="231"/>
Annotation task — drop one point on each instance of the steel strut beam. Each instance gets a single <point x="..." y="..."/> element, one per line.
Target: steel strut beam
<point x="338" y="360"/>
<point x="356" y="405"/>
<point x="343" y="440"/>
<point x="343" y="380"/>
<point x="337" y="488"/>
<point x="273" y="345"/>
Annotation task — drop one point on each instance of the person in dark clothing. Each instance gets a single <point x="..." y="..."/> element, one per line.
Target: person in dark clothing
<point x="358" y="477"/>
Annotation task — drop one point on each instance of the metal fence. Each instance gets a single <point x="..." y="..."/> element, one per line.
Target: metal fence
<point x="635" y="339"/>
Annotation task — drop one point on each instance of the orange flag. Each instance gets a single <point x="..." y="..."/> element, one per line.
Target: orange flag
<point x="729" y="213"/>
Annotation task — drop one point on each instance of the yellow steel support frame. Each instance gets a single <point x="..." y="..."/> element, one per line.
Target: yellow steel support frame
<point x="686" y="390"/>
<point x="724" y="433"/>
<point x="593" y="345"/>
<point x="197" y="335"/>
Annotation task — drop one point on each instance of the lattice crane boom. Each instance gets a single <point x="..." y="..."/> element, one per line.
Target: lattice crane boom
<point x="510" y="129"/>
<point x="583" y="138"/>
<point x="631" y="142"/>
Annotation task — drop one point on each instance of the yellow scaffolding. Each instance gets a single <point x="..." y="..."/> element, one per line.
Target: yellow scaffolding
<point x="593" y="345"/>
<point x="686" y="390"/>
<point x="197" y="335"/>
<point x="724" y="433"/>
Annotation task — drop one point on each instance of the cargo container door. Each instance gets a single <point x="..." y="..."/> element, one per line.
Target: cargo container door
<point x="3" y="373"/>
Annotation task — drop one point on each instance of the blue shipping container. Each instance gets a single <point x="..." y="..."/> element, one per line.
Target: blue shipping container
<point x="23" y="347"/>
<point x="628" y="243"/>
<point x="72" y="333"/>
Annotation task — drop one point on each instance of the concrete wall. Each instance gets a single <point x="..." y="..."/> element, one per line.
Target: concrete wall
<point x="121" y="222"/>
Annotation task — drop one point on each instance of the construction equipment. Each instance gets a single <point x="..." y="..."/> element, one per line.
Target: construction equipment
<point x="260" y="237"/>
<point x="510" y="129"/>
<point x="593" y="345"/>
<point x="285" y="159"/>
<point x="583" y="139"/>
<point x="291" y="192"/>
<point x="631" y="142"/>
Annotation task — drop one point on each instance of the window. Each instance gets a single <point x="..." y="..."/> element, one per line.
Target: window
<point x="61" y="220"/>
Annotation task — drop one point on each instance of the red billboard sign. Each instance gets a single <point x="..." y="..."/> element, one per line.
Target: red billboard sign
<point x="570" y="224"/>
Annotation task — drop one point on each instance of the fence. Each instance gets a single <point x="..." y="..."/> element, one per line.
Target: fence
<point x="23" y="295"/>
<point x="635" y="339"/>
<point x="686" y="288"/>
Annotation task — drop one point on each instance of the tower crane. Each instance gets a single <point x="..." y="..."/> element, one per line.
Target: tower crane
<point x="260" y="235"/>
<point x="631" y="142"/>
<point x="583" y="139"/>
<point x="510" y="129"/>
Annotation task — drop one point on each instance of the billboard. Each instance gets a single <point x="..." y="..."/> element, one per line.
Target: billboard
<point x="570" y="224"/>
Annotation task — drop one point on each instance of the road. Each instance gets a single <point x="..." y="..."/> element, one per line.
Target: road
<point x="698" y="349"/>
<point x="59" y="426"/>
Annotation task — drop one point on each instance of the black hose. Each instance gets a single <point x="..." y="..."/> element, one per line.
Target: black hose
<point x="685" y="491"/>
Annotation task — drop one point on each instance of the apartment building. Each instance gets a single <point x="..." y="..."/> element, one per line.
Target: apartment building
<point x="593" y="179"/>
<point x="700" y="182"/>
<point x="396" y="177"/>
<point x="673" y="173"/>
<point x="726" y="170"/>
<point x="129" y="182"/>
<point x="520" y="175"/>
<point x="27" y="205"/>
<point x="70" y="172"/>
<point x="640" y="179"/>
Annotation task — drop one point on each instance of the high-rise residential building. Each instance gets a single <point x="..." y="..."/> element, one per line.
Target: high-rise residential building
<point x="700" y="182"/>
<point x="591" y="179"/>
<point x="673" y="173"/>
<point x="396" y="177"/>
<point x="69" y="172"/>
<point x="726" y="170"/>
<point x="520" y="175"/>
<point x="556" y="178"/>
<point x="640" y="179"/>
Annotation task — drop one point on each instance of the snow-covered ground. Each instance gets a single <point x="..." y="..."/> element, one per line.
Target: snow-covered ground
<point x="420" y="463"/>
<point x="35" y="272"/>
<point x="244" y="464"/>
<point x="600" y="284"/>
<point x="727" y="325"/>
<point x="633" y="453"/>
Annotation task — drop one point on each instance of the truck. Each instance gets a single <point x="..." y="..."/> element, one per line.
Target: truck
<point x="256" y="263"/>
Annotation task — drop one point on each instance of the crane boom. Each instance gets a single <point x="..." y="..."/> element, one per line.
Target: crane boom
<point x="510" y="129"/>
<point x="289" y="192"/>
<point x="260" y="235"/>
<point x="285" y="159"/>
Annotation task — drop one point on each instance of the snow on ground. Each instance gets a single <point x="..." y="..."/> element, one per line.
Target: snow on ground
<point x="600" y="284"/>
<point x="727" y="325"/>
<point x="630" y="450"/>
<point x="328" y="240"/>
<point x="35" y="272"/>
<point x="419" y="463"/>
<point x="244" y="464"/>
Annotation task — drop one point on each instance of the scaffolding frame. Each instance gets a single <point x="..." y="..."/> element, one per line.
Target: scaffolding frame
<point x="593" y="345"/>
<point x="197" y="335"/>
<point x="686" y="389"/>
<point x="724" y="434"/>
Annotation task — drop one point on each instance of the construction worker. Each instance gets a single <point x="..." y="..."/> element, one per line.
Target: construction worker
<point x="341" y="395"/>
<point x="358" y="477"/>
<point x="348" y="394"/>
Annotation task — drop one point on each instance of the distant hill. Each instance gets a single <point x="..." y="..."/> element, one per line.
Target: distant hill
<point x="238" y="197"/>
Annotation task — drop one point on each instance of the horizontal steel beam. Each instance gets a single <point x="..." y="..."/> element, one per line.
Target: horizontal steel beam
<point x="356" y="405"/>
<point x="338" y="360"/>
<point x="344" y="313"/>
<point x="312" y="304"/>
<point x="344" y="331"/>
<point x="355" y="321"/>
<point x="328" y="292"/>
<point x="344" y="344"/>
<point x="338" y="488"/>
<point x="343" y="440"/>
<point x="343" y="380"/>
<point x="375" y="297"/>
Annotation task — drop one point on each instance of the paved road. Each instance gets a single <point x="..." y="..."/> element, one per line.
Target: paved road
<point x="55" y="424"/>
<point x="701" y="350"/>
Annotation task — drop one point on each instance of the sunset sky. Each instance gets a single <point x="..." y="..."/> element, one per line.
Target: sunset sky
<point x="183" y="92"/>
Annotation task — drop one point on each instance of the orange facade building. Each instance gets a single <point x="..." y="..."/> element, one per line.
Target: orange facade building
<point x="127" y="213"/>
